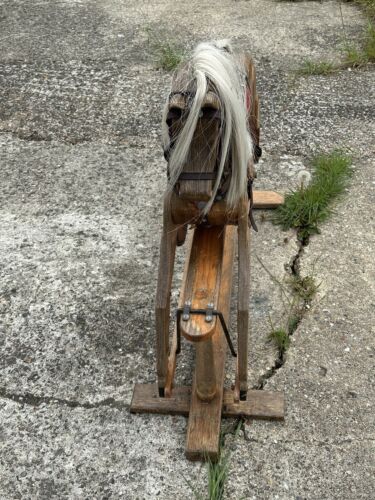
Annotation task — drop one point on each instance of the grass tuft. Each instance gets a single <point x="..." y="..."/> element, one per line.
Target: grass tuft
<point x="169" y="56"/>
<point x="357" y="57"/>
<point x="293" y="321"/>
<point x="354" y="57"/>
<point x="304" y="287"/>
<point x="369" y="46"/>
<point x="316" y="68"/>
<point x="280" y="338"/>
<point x="305" y="208"/>
<point x="218" y="472"/>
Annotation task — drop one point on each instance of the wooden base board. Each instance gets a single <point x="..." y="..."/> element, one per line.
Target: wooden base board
<point x="263" y="405"/>
<point x="267" y="199"/>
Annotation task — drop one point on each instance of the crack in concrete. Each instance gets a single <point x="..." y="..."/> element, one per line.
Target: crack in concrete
<point x="38" y="137"/>
<point x="281" y="359"/>
<point x="32" y="400"/>
<point x="313" y="442"/>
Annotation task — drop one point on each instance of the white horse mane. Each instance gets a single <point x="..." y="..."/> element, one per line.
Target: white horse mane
<point x="215" y="63"/>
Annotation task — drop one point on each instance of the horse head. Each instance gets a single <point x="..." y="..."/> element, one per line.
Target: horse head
<point x="206" y="133"/>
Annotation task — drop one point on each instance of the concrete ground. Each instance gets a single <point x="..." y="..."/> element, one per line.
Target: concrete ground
<point x="82" y="176"/>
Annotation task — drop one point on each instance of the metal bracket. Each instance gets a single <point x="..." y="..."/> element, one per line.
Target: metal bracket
<point x="186" y="311"/>
<point x="209" y="313"/>
<point x="184" y="314"/>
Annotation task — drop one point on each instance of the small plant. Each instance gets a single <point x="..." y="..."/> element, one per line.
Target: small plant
<point x="280" y="338"/>
<point x="305" y="208"/>
<point x="369" y="46"/>
<point x="217" y="475"/>
<point x="169" y="56"/>
<point x="354" y="57"/>
<point x="358" y="57"/>
<point x="304" y="287"/>
<point x="218" y="472"/>
<point x="316" y="68"/>
<point x="166" y="53"/>
<point x="293" y="321"/>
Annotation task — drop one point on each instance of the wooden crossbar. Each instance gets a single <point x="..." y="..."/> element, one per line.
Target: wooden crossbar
<point x="262" y="405"/>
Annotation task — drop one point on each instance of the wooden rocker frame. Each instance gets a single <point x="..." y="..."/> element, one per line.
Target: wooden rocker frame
<point x="207" y="276"/>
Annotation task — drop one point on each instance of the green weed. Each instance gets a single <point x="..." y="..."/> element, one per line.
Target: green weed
<point x="359" y="56"/>
<point x="218" y="471"/>
<point x="169" y="56"/>
<point x="304" y="287"/>
<point x="369" y="45"/>
<point x="293" y="321"/>
<point x="305" y="208"/>
<point x="280" y="338"/>
<point x="165" y="52"/>
<point x="353" y="57"/>
<point x="316" y="68"/>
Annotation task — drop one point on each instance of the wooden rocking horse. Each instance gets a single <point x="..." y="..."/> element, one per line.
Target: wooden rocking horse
<point x="211" y="142"/>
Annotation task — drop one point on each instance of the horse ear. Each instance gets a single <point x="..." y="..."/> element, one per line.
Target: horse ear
<point x="224" y="45"/>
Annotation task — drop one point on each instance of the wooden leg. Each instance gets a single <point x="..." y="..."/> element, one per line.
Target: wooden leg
<point x="162" y="303"/>
<point x="173" y="349"/>
<point x="243" y="299"/>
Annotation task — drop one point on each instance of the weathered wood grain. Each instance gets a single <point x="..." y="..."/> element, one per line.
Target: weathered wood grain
<point x="204" y="418"/>
<point x="202" y="158"/>
<point x="262" y="405"/>
<point x="267" y="199"/>
<point x="173" y="349"/>
<point x="184" y="211"/>
<point x="146" y="400"/>
<point x="203" y="281"/>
